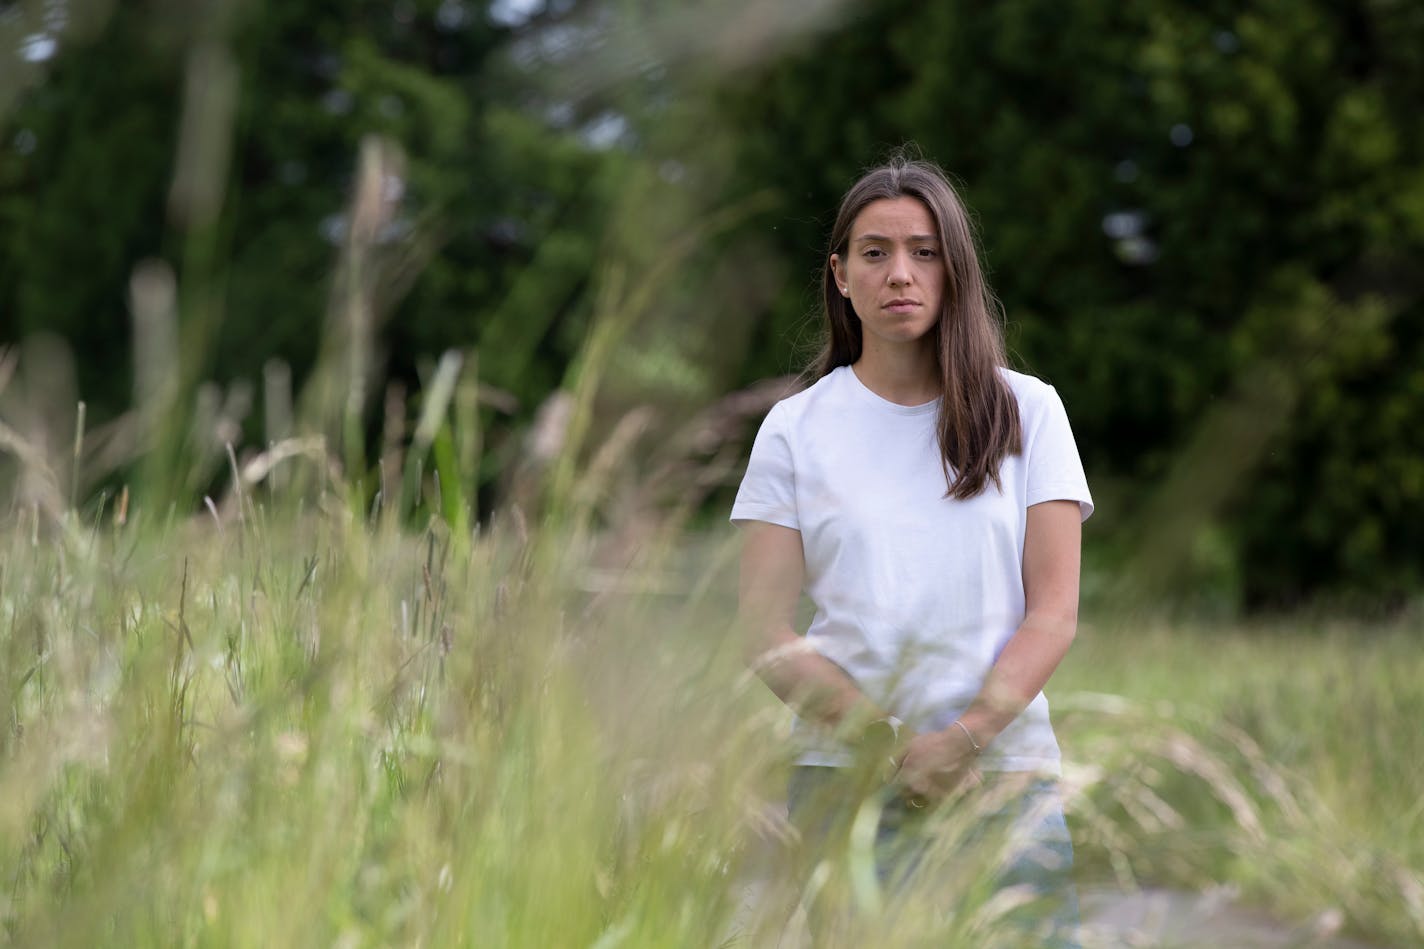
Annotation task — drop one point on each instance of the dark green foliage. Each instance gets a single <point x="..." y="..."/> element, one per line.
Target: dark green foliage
<point x="493" y="195"/>
<point x="1205" y="223"/>
<point x="84" y="200"/>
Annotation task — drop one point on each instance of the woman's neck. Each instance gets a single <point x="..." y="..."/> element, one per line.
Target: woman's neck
<point x="905" y="375"/>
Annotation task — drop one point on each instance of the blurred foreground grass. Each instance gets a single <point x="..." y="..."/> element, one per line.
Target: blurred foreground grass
<point x="296" y="730"/>
<point x="292" y="727"/>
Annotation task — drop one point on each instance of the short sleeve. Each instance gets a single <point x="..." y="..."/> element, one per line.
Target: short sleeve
<point x="1055" y="472"/>
<point x="768" y="490"/>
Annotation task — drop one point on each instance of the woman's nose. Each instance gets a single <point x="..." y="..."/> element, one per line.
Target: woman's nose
<point x="899" y="274"/>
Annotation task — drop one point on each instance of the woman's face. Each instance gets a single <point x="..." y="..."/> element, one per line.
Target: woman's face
<point x="893" y="271"/>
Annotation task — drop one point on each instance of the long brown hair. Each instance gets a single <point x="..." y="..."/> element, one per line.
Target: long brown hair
<point x="978" y="421"/>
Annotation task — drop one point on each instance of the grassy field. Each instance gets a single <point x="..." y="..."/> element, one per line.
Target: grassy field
<point x="292" y="727"/>
<point x="1283" y="757"/>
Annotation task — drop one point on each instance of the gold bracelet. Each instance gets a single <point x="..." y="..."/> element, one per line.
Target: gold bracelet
<point x="970" y="735"/>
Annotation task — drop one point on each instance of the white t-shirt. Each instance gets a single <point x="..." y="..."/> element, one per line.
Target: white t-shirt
<point x="915" y="593"/>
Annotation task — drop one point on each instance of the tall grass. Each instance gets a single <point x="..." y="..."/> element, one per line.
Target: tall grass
<point x="300" y="727"/>
<point x="300" y="730"/>
<point x="1282" y="757"/>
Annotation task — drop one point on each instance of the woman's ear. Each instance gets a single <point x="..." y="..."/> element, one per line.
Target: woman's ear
<point x="838" y="271"/>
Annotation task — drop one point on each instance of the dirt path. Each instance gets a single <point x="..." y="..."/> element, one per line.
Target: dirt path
<point x="1172" y="918"/>
<point x="1145" y="919"/>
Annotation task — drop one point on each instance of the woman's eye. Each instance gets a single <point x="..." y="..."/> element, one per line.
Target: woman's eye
<point x="873" y="252"/>
<point x="925" y="252"/>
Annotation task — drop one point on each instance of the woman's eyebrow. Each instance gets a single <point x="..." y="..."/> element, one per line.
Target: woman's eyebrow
<point x="913" y="238"/>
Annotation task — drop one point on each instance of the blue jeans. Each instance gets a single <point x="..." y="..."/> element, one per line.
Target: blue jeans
<point x="997" y="857"/>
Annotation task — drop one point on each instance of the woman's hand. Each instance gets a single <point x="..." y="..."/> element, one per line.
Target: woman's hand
<point x="936" y="766"/>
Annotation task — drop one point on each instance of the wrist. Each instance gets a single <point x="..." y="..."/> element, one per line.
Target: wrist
<point x="965" y="733"/>
<point x="983" y="723"/>
<point x="966" y="737"/>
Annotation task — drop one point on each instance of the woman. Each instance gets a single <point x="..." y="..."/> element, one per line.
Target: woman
<point x="929" y="501"/>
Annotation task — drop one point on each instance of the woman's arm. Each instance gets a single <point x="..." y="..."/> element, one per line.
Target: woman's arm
<point x="936" y="762"/>
<point x="773" y="569"/>
<point x="1052" y="556"/>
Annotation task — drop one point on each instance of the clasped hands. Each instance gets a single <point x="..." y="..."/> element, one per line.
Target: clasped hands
<point x="934" y="766"/>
